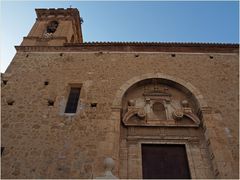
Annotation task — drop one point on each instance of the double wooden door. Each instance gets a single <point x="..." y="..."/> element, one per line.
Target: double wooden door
<point x="164" y="161"/>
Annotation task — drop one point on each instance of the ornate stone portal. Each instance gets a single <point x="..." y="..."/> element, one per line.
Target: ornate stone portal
<point x="160" y="111"/>
<point x="154" y="103"/>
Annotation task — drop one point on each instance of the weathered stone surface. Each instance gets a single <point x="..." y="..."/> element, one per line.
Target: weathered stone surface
<point x="42" y="141"/>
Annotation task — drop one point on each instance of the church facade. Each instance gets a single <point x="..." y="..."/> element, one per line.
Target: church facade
<point x="72" y="109"/>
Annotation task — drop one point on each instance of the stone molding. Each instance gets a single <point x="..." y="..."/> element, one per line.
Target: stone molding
<point x="136" y="47"/>
<point x="40" y="38"/>
<point x="60" y="12"/>
<point x="196" y="93"/>
<point x="184" y="138"/>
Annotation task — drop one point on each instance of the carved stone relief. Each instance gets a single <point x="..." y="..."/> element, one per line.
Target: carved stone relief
<point x="155" y="103"/>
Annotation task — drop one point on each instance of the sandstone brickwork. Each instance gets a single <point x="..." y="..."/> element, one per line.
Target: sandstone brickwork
<point x="41" y="141"/>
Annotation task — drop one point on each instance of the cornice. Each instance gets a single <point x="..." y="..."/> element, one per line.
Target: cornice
<point x="60" y="12"/>
<point x="135" y="47"/>
<point x="154" y="43"/>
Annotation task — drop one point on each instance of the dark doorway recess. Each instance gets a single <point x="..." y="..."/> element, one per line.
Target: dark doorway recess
<point x="165" y="161"/>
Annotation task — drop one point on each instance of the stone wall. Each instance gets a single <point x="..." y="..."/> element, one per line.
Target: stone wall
<point x="42" y="142"/>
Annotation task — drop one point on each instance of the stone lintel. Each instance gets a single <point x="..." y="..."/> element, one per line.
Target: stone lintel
<point x="191" y="139"/>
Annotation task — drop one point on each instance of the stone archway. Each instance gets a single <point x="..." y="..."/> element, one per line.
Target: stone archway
<point x="196" y="93"/>
<point x="210" y="125"/>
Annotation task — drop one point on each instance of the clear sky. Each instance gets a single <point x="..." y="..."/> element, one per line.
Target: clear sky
<point x="159" y="21"/>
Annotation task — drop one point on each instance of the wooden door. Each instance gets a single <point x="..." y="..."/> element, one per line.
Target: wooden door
<point x="164" y="161"/>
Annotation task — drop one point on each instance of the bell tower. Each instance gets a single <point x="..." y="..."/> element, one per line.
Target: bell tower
<point x="54" y="27"/>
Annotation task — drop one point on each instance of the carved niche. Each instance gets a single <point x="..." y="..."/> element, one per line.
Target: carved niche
<point x="157" y="102"/>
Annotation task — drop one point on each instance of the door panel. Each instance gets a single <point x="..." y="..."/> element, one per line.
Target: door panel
<point x="164" y="161"/>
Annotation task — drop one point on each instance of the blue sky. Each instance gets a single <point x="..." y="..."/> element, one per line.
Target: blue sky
<point x="189" y="21"/>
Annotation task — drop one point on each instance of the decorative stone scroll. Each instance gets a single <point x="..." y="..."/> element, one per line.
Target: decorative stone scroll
<point x="157" y="104"/>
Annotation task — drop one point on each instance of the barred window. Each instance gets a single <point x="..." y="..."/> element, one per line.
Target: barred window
<point x="73" y="100"/>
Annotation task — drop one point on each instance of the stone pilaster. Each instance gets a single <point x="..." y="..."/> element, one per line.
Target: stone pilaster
<point x="215" y="136"/>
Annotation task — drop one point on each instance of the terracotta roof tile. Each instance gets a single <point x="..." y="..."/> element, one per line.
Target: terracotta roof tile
<point x="155" y="43"/>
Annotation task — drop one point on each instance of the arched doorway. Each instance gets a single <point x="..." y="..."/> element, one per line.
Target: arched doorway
<point x="160" y="111"/>
<point x="160" y="126"/>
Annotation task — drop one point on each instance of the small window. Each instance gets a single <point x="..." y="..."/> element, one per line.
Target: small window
<point x="93" y="105"/>
<point x="72" y="100"/>
<point x="4" y="82"/>
<point x="50" y="102"/>
<point x="2" y="149"/>
<point x="46" y="83"/>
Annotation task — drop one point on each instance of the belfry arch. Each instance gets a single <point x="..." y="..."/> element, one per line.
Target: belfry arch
<point x="182" y="118"/>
